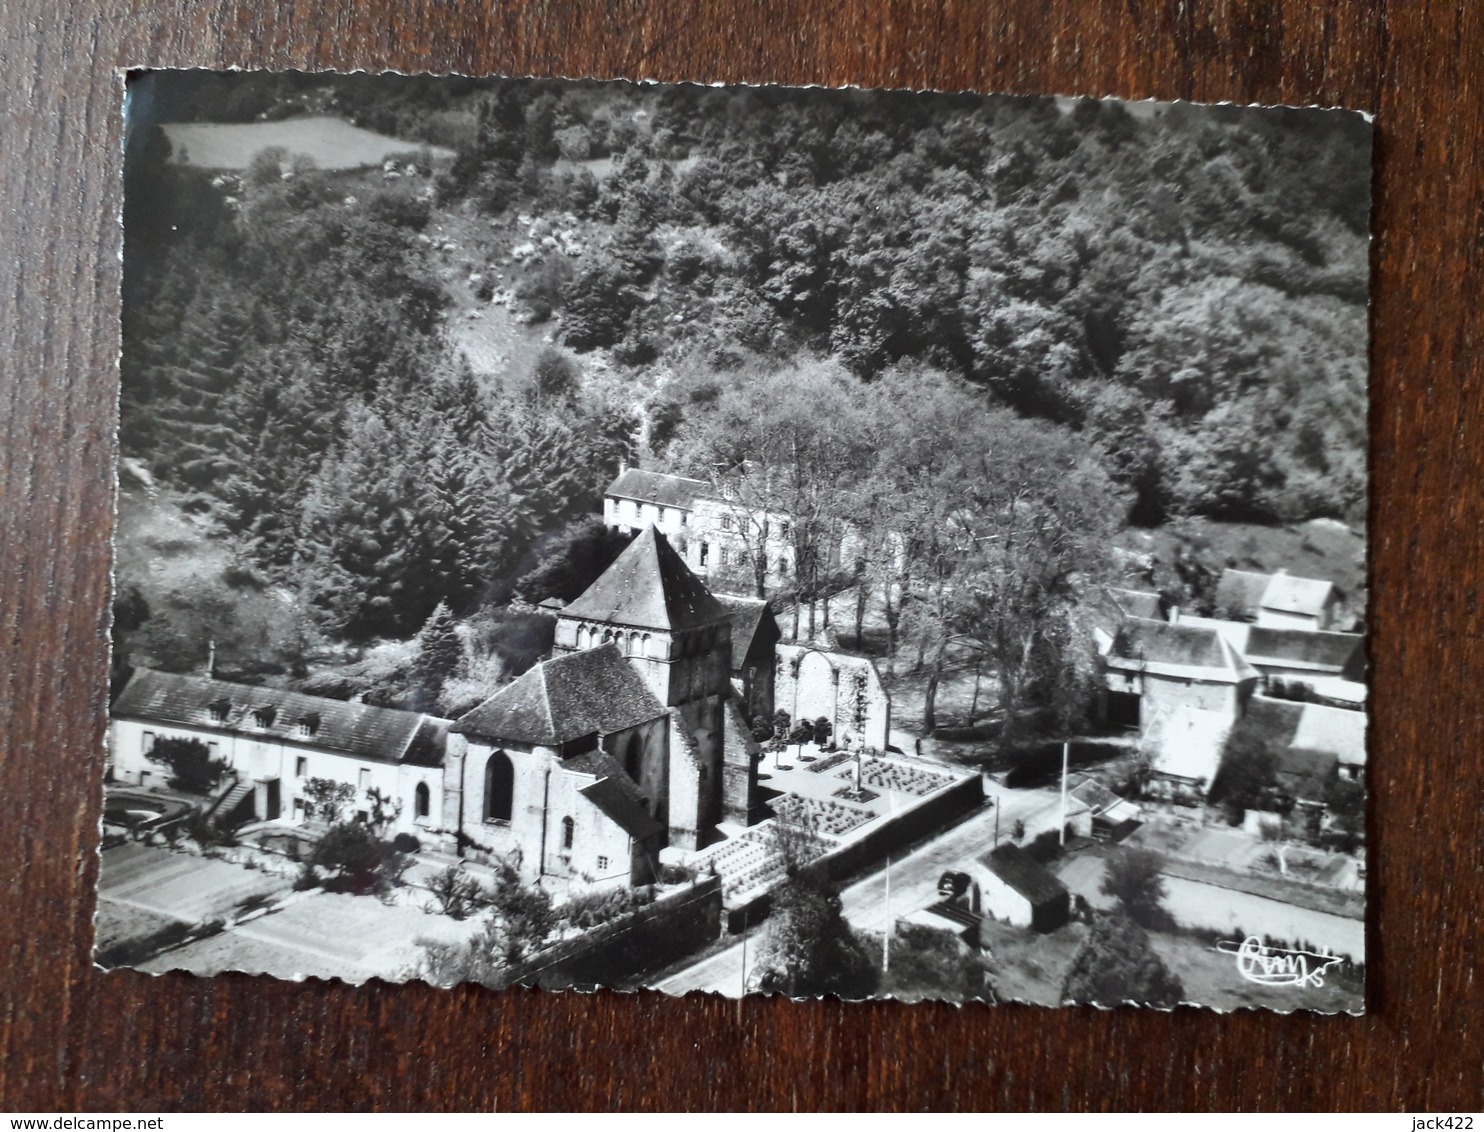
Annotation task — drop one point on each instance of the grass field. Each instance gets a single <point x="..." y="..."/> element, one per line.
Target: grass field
<point x="332" y="144"/>
<point x="1029" y="967"/>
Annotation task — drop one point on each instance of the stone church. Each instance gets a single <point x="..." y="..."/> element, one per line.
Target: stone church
<point x="630" y="740"/>
<point x="627" y="741"/>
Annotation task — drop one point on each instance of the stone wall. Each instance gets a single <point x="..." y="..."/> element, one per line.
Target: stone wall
<point x="619" y="955"/>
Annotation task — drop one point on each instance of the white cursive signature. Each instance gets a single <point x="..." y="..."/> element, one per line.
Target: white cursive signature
<point x="1278" y="966"/>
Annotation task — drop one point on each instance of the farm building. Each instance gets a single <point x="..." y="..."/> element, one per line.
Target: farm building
<point x="1018" y="890"/>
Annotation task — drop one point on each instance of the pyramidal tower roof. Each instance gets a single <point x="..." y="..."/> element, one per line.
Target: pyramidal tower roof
<point x="648" y="587"/>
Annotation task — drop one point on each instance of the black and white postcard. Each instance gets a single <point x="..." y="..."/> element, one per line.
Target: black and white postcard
<point x="740" y="540"/>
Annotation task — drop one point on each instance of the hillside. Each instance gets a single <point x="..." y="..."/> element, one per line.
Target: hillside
<point x="393" y="387"/>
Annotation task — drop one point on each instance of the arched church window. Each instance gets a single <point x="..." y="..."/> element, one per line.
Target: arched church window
<point x="569" y="828"/>
<point x="499" y="787"/>
<point x="421" y="799"/>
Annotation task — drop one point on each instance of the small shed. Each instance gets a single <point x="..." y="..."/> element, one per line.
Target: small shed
<point x="1019" y="890"/>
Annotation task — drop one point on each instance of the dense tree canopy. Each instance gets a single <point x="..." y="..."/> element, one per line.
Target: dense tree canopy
<point x="1177" y="294"/>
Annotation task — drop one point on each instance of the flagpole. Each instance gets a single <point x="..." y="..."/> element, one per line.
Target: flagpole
<point x="886" y="932"/>
<point x="1062" y="832"/>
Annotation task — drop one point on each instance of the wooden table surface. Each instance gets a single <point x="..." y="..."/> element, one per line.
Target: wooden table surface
<point x="75" y="1039"/>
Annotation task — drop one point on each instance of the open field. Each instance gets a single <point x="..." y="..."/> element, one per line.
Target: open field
<point x="179" y="885"/>
<point x="332" y="144"/>
<point x="324" y="935"/>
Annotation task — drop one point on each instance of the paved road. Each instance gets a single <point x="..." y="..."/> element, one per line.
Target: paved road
<point x="914" y="884"/>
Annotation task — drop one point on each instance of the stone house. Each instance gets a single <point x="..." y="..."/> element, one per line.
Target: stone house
<point x="1184" y="748"/>
<point x="1153" y="668"/>
<point x="1330" y="666"/>
<point x="1312" y="743"/>
<point x="714" y="534"/>
<point x="275" y="741"/>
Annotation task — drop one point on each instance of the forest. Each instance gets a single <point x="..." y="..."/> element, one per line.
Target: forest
<point x="926" y="312"/>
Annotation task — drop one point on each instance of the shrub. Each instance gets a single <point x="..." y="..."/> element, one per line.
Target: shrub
<point x="803" y="732"/>
<point x="592" y="909"/>
<point x="456" y="894"/>
<point x="1045" y="846"/>
<point x="1116" y="964"/>
<point x="192" y="769"/>
<point x="364" y="862"/>
<point x="307" y="877"/>
<point x="1134" y="877"/>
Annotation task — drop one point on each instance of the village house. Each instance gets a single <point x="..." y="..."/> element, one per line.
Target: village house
<point x="1278" y="601"/>
<point x="1184" y="750"/>
<point x="274" y="742"/>
<point x="1311" y="743"/>
<point x="1101" y="814"/>
<point x="1325" y="665"/>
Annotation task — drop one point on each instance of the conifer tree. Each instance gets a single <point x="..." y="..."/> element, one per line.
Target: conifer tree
<point x="440" y="655"/>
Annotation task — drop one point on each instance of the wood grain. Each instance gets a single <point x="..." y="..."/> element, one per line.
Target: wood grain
<point x="74" y="1039"/>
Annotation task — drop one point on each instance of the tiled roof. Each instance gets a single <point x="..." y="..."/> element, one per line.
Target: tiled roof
<point x="648" y="587"/>
<point x="1024" y="874"/>
<point x="1155" y="645"/>
<point x="1305" y="648"/>
<point x="658" y="487"/>
<point x="1096" y="796"/>
<point x="1234" y="633"/>
<point x="614" y="796"/>
<point x="1288" y="594"/>
<point x="1300" y="733"/>
<point x="747" y="615"/>
<point x="1303" y="773"/>
<point x="1239" y="592"/>
<point x="360" y="730"/>
<point x="1188" y="743"/>
<point x="1339" y="731"/>
<point x="1137" y="603"/>
<point x="575" y="694"/>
